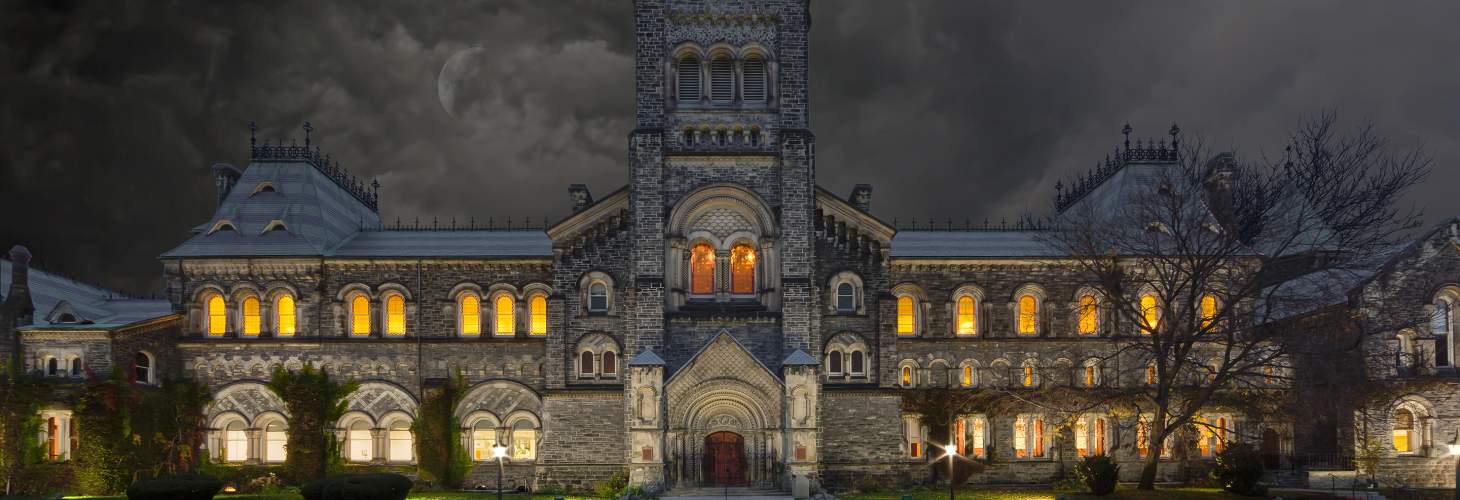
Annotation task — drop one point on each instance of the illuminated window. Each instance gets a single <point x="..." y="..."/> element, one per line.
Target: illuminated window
<point x="251" y="316"/>
<point x="395" y="315"/>
<point x="1089" y="435"/>
<point x="906" y="315"/>
<point x="846" y="298"/>
<point x="359" y="446"/>
<point x="1028" y="315"/>
<point x="1151" y="374"/>
<point x="235" y="442"/>
<point x="1028" y="378"/>
<point x="1208" y="311"/>
<point x="1404" y="441"/>
<point x="907" y="376"/>
<point x="359" y="316"/>
<point x="275" y="441"/>
<point x="217" y="316"/>
<point x="972" y="436"/>
<point x="967" y="316"/>
<point x="1150" y="314"/>
<point x="913" y="432"/>
<point x="401" y="443"/>
<point x="1267" y="375"/>
<point x="742" y="270"/>
<point x="702" y="270"/>
<point x="284" y="316"/>
<point x="524" y="440"/>
<point x="483" y="437"/>
<point x="471" y="315"/>
<point x="1029" y="436"/>
<point x="537" y="313"/>
<point x="1143" y="437"/>
<point x="1092" y="374"/>
<point x="967" y="377"/>
<point x="1089" y="314"/>
<point x="506" y="315"/>
<point x="1212" y="436"/>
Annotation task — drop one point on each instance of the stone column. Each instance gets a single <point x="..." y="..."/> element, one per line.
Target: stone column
<point x="799" y="437"/>
<point x="377" y="446"/>
<point x="646" y="423"/>
<point x="255" y="445"/>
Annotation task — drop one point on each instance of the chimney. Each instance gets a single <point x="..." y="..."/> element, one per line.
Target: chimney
<point x="17" y="299"/>
<point x="862" y="197"/>
<point x="581" y="197"/>
<point x="1219" y="172"/>
<point x="225" y="176"/>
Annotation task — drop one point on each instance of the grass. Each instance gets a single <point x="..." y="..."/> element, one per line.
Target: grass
<point x="1124" y="492"/>
<point x="443" y="495"/>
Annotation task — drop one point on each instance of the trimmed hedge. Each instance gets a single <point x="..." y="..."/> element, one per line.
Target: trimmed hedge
<point x="179" y="487"/>
<point x="1098" y="473"/>
<point x="383" y="486"/>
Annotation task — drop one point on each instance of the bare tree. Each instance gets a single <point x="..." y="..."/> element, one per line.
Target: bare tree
<point x="1198" y="258"/>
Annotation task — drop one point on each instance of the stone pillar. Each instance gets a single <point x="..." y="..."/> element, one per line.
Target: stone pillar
<point x="255" y="446"/>
<point x="645" y="409"/>
<point x="378" y="445"/>
<point x="800" y="409"/>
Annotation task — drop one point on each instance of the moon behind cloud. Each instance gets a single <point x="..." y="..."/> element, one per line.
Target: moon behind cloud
<point x="459" y="71"/>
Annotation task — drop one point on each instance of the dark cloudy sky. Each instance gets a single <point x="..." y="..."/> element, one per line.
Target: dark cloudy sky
<point x="112" y="112"/>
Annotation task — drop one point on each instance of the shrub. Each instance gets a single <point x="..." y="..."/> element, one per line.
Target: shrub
<point x="612" y="487"/>
<point x="382" y="486"/>
<point x="1238" y="469"/>
<point x="179" y="487"/>
<point x="314" y="401"/>
<point x="1098" y="473"/>
<point x="43" y="478"/>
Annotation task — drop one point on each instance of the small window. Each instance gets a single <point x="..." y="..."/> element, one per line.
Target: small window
<point x="284" y="316"/>
<point x="858" y="363"/>
<point x="1150" y="314"/>
<point x="967" y="316"/>
<point x="471" y="315"/>
<point x="1404" y="431"/>
<point x="598" y="297"/>
<point x="217" y="316"/>
<point x="537" y="314"/>
<point x="834" y="363"/>
<point x="742" y="270"/>
<point x="506" y="316"/>
<point x="907" y="376"/>
<point x="702" y="270"/>
<point x="66" y="318"/>
<point x="251" y="321"/>
<point x="1028" y="315"/>
<point x="395" y="315"/>
<point x="1441" y="326"/>
<point x="1208" y="311"/>
<point x="585" y="365"/>
<point x="53" y="367"/>
<point x="359" y="316"/>
<point x="142" y="368"/>
<point x="609" y="363"/>
<point x="906" y="315"/>
<point x="689" y="79"/>
<point x="966" y="378"/>
<point x="722" y="80"/>
<point x="1091" y="374"/>
<point x="1151" y="374"/>
<point x="1089" y="316"/>
<point x="846" y="298"/>
<point x="754" y="79"/>
<point x="75" y="367"/>
<point x="1028" y="377"/>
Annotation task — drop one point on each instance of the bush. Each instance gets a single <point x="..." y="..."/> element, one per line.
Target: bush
<point x="611" y="488"/>
<point x="1098" y="473"/>
<point x="1238" y="470"/>
<point x="383" y="486"/>
<point x="179" y="487"/>
<point x="43" y="478"/>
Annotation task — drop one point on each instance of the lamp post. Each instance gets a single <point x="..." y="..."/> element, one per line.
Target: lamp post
<point x="1455" y="451"/>
<point x="500" y="452"/>
<point x="952" y="450"/>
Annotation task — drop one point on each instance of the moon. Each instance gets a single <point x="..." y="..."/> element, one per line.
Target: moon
<point x="460" y="70"/>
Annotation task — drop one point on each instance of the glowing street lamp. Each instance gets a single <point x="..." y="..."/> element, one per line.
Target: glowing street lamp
<point x="500" y="453"/>
<point x="952" y="450"/>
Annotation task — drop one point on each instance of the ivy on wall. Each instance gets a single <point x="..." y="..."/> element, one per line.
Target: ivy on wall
<point x="21" y="395"/>
<point x="442" y="457"/>
<point x="314" y="401"/>
<point x="131" y="432"/>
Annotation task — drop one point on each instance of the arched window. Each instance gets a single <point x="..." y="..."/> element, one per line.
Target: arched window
<point x="598" y="297"/>
<point x="846" y="298"/>
<point x="1028" y="315"/>
<point x="276" y="438"/>
<point x="1150" y="314"/>
<point x="537" y="315"/>
<point x="609" y="363"/>
<point x="142" y="368"/>
<point x="702" y="270"/>
<point x="585" y="365"/>
<point x="722" y="79"/>
<point x="1027" y="375"/>
<point x="906" y="315"/>
<point x="217" y="316"/>
<point x="1442" y="327"/>
<point x="75" y="367"/>
<point x="1404" y="432"/>
<point x="1088" y="315"/>
<point x="471" y="315"/>
<point x="401" y="443"/>
<point x="742" y="270"/>
<point x="359" y="446"/>
<point x="966" y="378"/>
<point x="395" y="315"/>
<point x="251" y="320"/>
<point x="506" y="315"/>
<point x="235" y="442"/>
<point x="967" y="315"/>
<point x="1092" y="373"/>
<point x="907" y="376"/>
<point x="483" y="438"/>
<point x="858" y="363"/>
<point x="360" y="316"/>
<point x="834" y="363"/>
<point x="524" y="440"/>
<point x="53" y="367"/>
<point x="1208" y="311"/>
<point x="284" y="316"/>
<point x="688" y="70"/>
<point x="754" y="79"/>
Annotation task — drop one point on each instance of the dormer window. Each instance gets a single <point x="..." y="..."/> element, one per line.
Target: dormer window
<point x="263" y="187"/>
<point x="66" y="318"/>
<point x="222" y="225"/>
<point x="689" y="79"/>
<point x="274" y="225"/>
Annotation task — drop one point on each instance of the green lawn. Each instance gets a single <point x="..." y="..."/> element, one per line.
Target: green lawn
<point x="454" y="495"/>
<point x="1009" y="493"/>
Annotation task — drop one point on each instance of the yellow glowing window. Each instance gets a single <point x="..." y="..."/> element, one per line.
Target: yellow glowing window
<point x="907" y="375"/>
<point x="1021" y="438"/>
<point x="284" y="316"/>
<point x="917" y="449"/>
<point x="1151" y="374"/>
<point x="702" y="270"/>
<point x="1038" y="437"/>
<point x="1208" y="311"/>
<point x="537" y="311"/>
<point x="217" y="316"/>
<point x="1088" y="316"/>
<point x="1028" y="315"/>
<point x="1150" y="314"/>
<point x="251" y="316"/>
<point x="360" y="316"/>
<point x="1403" y="431"/>
<point x="1099" y="436"/>
<point x="506" y="316"/>
<point x="471" y="315"/>
<point x="967" y="316"/>
<point x="1089" y="376"/>
<point x="1143" y="437"/>
<point x="1267" y="373"/>
<point x="742" y="270"/>
<point x="1028" y="376"/>
<point x="1082" y="438"/>
<point x="906" y="317"/>
<point x="968" y="376"/>
<point x="395" y="315"/>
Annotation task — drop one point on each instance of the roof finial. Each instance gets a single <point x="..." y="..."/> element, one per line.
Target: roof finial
<point x="1126" y="131"/>
<point x="307" y="129"/>
<point x="253" y="129"/>
<point x="1175" y="131"/>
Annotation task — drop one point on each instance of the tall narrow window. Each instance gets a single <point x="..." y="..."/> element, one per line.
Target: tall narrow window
<point x="967" y="316"/>
<point x="906" y="315"/>
<point x="360" y="316"/>
<point x="722" y="80"/>
<point x="907" y="376"/>
<point x="537" y="314"/>
<point x="1151" y="374"/>
<point x="1028" y="315"/>
<point x="702" y="270"/>
<point x="471" y="315"/>
<point x="857" y="363"/>
<point x="1089" y="315"/>
<point x="483" y="437"/>
<point x="1090" y="380"/>
<point x="834" y="363"/>
<point x="53" y="439"/>
<point x="395" y="315"/>
<point x="275" y="438"/>
<point x="506" y="315"/>
<point x="754" y="79"/>
<point x="1208" y="311"/>
<point x="142" y="368"/>
<point x="235" y="442"/>
<point x="598" y="297"/>
<point x="1082" y="437"/>
<point x="976" y="438"/>
<point x="1143" y="437"/>
<point x="1404" y="441"/>
<point x="585" y="365"/>
<point x="1150" y="314"/>
<point x="524" y="440"/>
<point x="217" y="316"/>
<point x="402" y="442"/>
<point x="1441" y="327"/>
<point x="742" y="270"/>
<point x="967" y="376"/>
<point x="689" y="79"/>
<point x="75" y="367"/>
<point x="1028" y="379"/>
<point x="846" y="298"/>
<point x="359" y="446"/>
<point x="251" y="320"/>
<point x="53" y="367"/>
<point x="609" y="362"/>
<point x="284" y="316"/>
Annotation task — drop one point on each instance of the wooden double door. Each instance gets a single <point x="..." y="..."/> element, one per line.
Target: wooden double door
<point x="725" y="459"/>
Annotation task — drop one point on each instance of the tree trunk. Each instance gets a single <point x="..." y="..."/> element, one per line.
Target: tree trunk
<point x="1157" y="437"/>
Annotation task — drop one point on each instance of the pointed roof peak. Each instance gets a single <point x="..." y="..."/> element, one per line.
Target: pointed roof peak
<point x="646" y="358"/>
<point x="799" y="358"/>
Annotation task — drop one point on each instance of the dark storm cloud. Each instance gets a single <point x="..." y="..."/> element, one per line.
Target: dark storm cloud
<point x="112" y="112"/>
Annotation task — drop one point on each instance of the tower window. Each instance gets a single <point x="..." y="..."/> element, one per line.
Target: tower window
<point x="217" y="316"/>
<point x="722" y="80"/>
<point x="754" y="79"/>
<point x="284" y="316"/>
<point x="395" y="315"/>
<point x="689" y="79"/>
<point x="742" y="270"/>
<point x="251" y="316"/>
<point x="702" y="270"/>
<point x="967" y="316"/>
<point x="506" y="316"/>
<point x="1089" y="322"/>
<point x="598" y="297"/>
<point x="846" y="298"/>
<point x="537" y="315"/>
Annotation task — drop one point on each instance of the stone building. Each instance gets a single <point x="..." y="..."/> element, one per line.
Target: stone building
<point x="720" y="319"/>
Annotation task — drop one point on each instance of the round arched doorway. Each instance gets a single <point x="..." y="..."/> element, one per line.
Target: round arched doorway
<point x="724" y="459"/>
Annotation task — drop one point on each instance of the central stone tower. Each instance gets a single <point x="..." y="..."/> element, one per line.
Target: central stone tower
<point x="722" y="200"/>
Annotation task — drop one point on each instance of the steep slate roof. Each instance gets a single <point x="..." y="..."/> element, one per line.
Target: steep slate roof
<point x="101" y="307"/>
<point x="954" y="244"/>
<point x="453" y="243"/>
